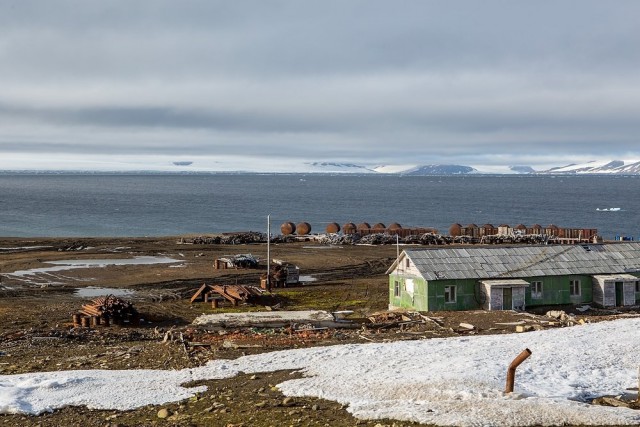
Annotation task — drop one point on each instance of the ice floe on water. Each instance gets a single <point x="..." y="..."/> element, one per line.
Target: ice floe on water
<point x="445" y="381"/>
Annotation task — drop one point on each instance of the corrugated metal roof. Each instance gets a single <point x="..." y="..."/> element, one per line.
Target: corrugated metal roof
<point x="526" y="261"/>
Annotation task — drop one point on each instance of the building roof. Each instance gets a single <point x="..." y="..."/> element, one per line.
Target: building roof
<point x="524" y="261"/>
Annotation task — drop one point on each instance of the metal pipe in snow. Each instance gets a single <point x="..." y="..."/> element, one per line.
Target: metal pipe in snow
<point x="511" y="372"/>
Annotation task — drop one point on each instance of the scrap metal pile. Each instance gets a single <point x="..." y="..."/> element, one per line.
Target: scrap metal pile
<point x="237" y="261"/>
<point x="385" y="239"/>
<point x="227" y="239"/>
<point x="106" y="310"/>
<point x="518" y="238"/>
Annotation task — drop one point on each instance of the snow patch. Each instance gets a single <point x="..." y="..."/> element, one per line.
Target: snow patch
<point x="446" y="381"/>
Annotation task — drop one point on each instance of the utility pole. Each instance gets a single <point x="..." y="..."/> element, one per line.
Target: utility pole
<point x="269" y="252"/>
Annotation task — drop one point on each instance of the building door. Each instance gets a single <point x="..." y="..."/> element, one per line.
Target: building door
<point x="507" y="299"/>
<point x="619" y="294"/>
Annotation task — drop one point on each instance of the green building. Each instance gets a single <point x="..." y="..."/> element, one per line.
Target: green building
<point x="506" y="278"/>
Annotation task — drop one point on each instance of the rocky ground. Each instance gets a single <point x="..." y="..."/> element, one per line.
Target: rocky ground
<point x="36" y="332"/>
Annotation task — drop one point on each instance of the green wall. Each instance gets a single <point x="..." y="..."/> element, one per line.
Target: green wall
<point x="430" y="296"/>
<point x="416" y="302"/>
<point x="555" y="290"/>
<point x="466" y="298"/>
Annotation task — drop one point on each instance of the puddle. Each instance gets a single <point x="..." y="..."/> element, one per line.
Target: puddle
<point x="50" y="276"/>
<point x="307" y="279"/>
<point x="24" y="248"/>
<point x="92" y="263"/>
<point x="322" y="247"/>
<point x="93" y="291"/>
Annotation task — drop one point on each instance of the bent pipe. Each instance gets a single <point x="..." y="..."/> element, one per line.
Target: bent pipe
<point x="511" y="372"/>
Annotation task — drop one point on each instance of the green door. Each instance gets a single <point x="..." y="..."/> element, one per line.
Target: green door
<point x="619" y="294"/>
<point x="507" y="299"/>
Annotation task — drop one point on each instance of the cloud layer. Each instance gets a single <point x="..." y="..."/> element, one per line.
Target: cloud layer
<point x="373" y="82"/>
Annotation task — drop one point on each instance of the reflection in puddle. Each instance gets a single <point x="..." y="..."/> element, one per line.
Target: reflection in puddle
<point x="92" y="291"/>
<point x="307" y="279"/>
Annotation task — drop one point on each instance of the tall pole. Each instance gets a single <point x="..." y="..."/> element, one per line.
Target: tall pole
<point x="269" y="252"/>
<point x="397" y="247"/>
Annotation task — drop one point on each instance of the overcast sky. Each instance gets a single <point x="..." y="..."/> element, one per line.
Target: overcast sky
<point x="134" y="84"/>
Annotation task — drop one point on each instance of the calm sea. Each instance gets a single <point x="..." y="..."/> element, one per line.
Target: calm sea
<point x="156" y="205"/>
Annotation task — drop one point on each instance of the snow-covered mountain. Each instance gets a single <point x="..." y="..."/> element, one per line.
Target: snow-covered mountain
<point x="332" y="167"/>
<point x="521" y="169"/>
<point x="426" y="170"/>
<point x="595" y="167"/>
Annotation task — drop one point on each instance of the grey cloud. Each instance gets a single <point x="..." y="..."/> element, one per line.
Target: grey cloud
<point x="353" y="79"/>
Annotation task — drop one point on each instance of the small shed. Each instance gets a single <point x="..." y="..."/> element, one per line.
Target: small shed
<point x="614" y="290"/>
<point x="504" y="294"/>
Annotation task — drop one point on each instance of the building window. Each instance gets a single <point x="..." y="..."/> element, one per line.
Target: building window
<point x="449" y="294"/>
<point x="396" y="288"/>
<point x="536" y="290"/>
<point x="407" y="263"/>
<point x="637" y="285"/>
<point x="574" y="288"/>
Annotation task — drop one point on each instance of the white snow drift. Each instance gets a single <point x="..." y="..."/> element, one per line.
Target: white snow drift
<point x="454" y="381"/>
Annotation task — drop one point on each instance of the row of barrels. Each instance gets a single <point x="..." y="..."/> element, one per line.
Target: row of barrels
<point x="363" y="228"/>
<point x="474" y="230"/>
<point x="456" y="230"/>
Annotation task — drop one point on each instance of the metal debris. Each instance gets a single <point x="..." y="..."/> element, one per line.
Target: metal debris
<point x="237" y="261"/>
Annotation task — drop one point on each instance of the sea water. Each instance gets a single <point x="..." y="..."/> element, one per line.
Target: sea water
<point x="107" y="205"/>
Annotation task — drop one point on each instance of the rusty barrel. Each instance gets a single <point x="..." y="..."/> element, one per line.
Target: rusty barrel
<point x="333" y="228"/>
<point x="287" y="228"/>
<point x="303" y="228"/>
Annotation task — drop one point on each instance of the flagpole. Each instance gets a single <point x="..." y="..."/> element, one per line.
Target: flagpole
<point x="269" y="252"/>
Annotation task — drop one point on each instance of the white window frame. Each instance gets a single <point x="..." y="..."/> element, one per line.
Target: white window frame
<point x="575" y="285"/>
<point x="396" y="288"/>
<point x="407" y="263"/>
<point x="448" y="292"/>
<point x="536" y="289"/>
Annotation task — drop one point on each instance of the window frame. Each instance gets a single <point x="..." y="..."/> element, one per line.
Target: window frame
<point x="575" y="284"/>
<point x="396" y="288"/>
<point x="535" y="292"/>
<point x="637" y="286"/>
<point x="448" y="291"/>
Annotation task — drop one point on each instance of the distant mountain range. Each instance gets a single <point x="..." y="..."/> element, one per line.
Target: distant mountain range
<point x="609" y="167"/>
<point x="595" y="167"/>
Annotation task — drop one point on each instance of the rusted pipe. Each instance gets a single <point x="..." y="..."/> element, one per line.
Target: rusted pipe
<point x="511" y="372"/>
